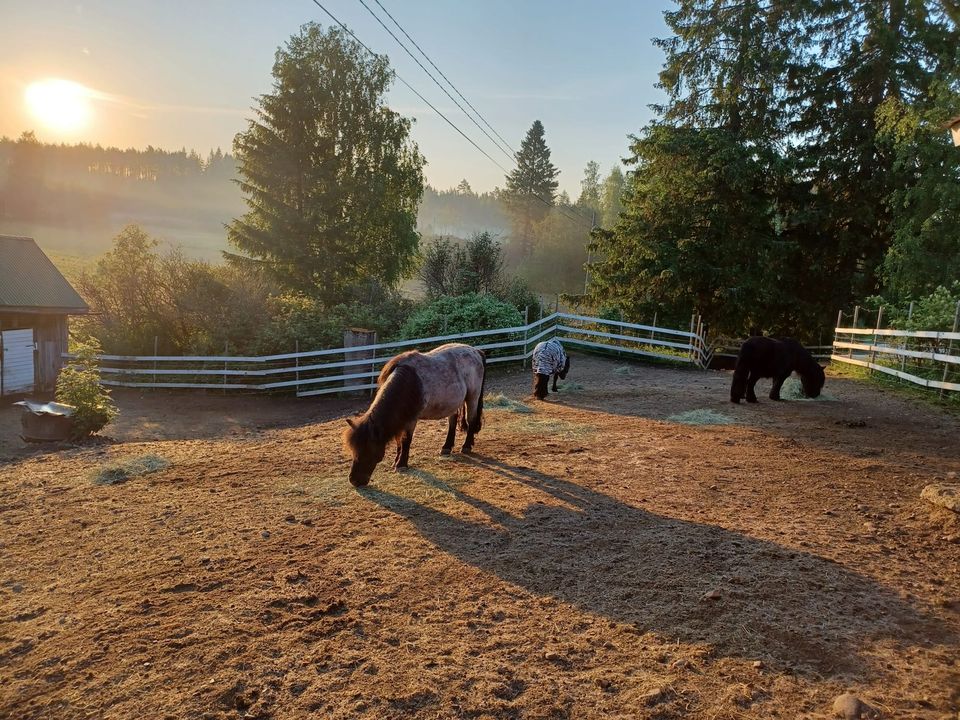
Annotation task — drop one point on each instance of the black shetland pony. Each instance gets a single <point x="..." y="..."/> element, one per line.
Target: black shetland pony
<point x="444" y="383"/>
<point x="771" y="358"/>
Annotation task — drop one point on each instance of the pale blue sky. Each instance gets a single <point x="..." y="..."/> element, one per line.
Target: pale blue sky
<point x="181" y="73"/>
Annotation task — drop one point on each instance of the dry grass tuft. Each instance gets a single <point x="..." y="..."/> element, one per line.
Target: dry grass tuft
<point x="701" y="417"/>
<point x="120" y="472"/>
<point x="502" y="402"/>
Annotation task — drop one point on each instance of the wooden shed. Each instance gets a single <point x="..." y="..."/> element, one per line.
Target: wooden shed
<point x="35" y="302"/>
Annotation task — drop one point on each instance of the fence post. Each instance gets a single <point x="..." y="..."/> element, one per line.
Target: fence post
<point x="526" y="322"/>
<point x="155" y="353"/>
<point x="357" y="337"/>
<point x="906" y="341"/>
<point x="873" y="343"/>
<point x="296" y="349"/>
<point x="654" y="323"/>
<point x="946" y="365"/>
<point x="226" y="351"/>
<point x="699" y="340"/>
<point x="856" y="315"/>
<point x="690" y="343"/>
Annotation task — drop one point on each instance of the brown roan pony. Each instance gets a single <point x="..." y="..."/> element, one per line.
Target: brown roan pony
<point x="444" y="383"/>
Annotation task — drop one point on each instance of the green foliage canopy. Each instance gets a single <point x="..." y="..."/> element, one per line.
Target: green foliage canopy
<point x="331" y="177"/>
<point x="460" y="314"/>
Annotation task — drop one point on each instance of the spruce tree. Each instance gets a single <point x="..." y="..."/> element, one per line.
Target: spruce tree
<point x="331" y="177"/>
<point x="531" y="187"/>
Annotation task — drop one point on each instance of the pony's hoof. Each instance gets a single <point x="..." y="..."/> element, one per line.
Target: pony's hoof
<point x="735" y="402"/>
<point x="445" y="451"/>
<point x="751" y="400"/>
<point x="466" y="450"/>
<point x="401" y="468"/>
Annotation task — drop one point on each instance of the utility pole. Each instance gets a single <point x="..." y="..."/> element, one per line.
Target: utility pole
<point x="586" y="272"/>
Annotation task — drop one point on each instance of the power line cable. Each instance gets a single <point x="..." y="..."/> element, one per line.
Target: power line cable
<point x="560" y="209"/>
<point x="411" y="88"/>
<point x="435" y="81"/>
<point x="511" y="154"/>
<point x="449" y="82"/>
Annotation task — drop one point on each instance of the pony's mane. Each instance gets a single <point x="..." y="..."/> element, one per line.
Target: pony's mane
<point x="392" y="365"/>
<point x="396" y="402"/>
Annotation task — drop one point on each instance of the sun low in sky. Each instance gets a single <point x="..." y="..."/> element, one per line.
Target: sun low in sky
<point x="60" y="106"/>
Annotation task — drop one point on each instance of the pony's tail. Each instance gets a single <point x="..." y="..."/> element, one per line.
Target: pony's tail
<point x="478" y="420"/>
<point x="738" y="388"/>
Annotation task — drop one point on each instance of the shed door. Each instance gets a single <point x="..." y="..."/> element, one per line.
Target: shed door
<point x="17" y="361"/>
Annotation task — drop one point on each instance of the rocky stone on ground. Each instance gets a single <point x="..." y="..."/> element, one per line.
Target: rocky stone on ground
<point x="944" y="495"/>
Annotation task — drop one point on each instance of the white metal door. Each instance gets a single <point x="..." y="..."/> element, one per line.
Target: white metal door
<point x="17" y="361"/>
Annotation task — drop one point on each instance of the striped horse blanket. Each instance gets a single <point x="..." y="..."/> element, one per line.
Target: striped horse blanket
<point x="548" y="358"/>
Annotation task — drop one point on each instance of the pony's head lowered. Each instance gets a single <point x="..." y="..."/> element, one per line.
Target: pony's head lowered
<point x="397" y="403"/>
<point x="366" y="448"/>
<point x="812" y="379"/>
<point x="566" y="369"/>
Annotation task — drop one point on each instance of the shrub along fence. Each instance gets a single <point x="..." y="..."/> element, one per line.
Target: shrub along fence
<point x="336" y="370"/>
<point x="930" y="358"/>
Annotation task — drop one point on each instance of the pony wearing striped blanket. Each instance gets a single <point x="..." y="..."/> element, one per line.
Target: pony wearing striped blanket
<point x="549" y="359"/>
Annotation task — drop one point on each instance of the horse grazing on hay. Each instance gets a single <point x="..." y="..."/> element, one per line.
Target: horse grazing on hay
<point x="771" y="358"/>
<point x="548" y="359"/>
<point x="444" y="383"/>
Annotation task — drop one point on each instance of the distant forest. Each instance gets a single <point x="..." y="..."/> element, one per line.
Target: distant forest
<point x="75" y="198"/>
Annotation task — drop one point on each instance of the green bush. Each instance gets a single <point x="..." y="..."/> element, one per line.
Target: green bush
<point x="931" y="312"/>
<point x="79" y="386"/>
<point x="303" y="319"/>
<point x="460" y="314"/>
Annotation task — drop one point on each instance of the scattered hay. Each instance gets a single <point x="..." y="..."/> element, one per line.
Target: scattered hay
<point x="120" y="472"/>
<point x="701" y="417"/>
<point x="793" y="390"/>
<point x="568" y="388"/>
<point x="502" y="402"/>
<point x="622" y="370"/>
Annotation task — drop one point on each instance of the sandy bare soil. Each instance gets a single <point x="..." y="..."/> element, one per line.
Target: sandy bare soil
<point x="593" y="559"/>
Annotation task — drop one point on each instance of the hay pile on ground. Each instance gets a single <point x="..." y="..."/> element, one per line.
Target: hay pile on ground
<point x="701" y="416"/>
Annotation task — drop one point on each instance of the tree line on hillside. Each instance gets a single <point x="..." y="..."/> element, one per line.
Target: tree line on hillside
<point x="85" y="184"/>
<point x="798" y="165"/>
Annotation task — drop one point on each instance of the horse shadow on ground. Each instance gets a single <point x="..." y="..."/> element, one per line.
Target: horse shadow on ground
<point x="581" y="547"/>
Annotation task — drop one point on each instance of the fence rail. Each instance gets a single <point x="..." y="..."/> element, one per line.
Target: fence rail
<point x="933" y="356"/>
<point x="336" y="370"/>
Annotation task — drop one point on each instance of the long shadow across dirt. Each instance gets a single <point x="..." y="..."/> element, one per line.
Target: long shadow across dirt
<point x="794" y="609"/>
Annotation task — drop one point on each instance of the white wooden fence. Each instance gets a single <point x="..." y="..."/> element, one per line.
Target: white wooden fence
<point x="925" y="357"/>
<point x="319" y="372"/>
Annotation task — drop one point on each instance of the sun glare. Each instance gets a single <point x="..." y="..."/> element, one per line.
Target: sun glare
<point x="60" y="105"/>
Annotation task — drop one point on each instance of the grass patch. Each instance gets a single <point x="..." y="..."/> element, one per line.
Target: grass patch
<point x="502" y="402"/>
<point x="120" y="472"/>
<point x="701" y="417"/>
<point x="793" y="390"/>
<point x="950" y="401"/>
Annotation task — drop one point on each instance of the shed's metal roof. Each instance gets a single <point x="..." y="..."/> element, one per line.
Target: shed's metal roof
<point x="30" y="281"/>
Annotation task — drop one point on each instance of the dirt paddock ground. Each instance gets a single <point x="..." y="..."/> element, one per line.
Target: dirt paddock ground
<point x="593" y="559"/>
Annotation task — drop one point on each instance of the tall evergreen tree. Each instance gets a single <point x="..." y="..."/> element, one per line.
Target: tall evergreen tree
<point x="799" y="86"/>
<point x="611" y="199"/>
<point x="531" y="187"/>
<point x="590" y="191"/>
<point x="331" y="177"/>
